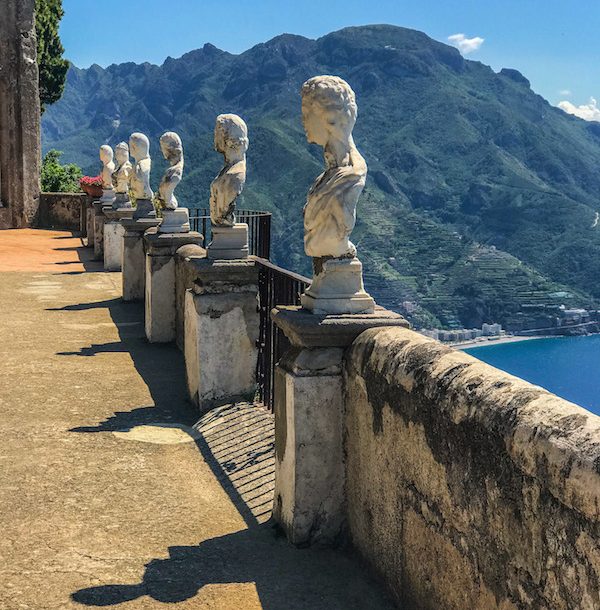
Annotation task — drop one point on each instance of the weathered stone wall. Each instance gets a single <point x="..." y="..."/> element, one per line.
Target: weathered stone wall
<point x="19" y="115"/>
<point x="468" y="488"/>
<point x="61" y="211"/>
<point x="186" y="273"/>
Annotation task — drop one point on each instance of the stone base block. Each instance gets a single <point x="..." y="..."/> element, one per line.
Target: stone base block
<point x="221" y="327"/>
<point x="144" y="209"/>
<point x="108" y="197"/>
<point x="89" y="215"/>
<point x="309" y="460"/>
<point x="229" y="243"/>
<point x="160" y="301"/>
<point x="337" y="288"/>
<point x="175" y="221"/>
<point x="113" y="245"/>
<point x="134" y="258"/>
<point x="122" y="201"/>
<point x="99" y="220"/>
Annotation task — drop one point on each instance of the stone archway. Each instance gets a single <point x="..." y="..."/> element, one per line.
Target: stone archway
<point x="19" y="115"/>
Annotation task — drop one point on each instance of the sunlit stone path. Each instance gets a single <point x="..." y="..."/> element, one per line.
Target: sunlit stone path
<point x="111" y="491"/>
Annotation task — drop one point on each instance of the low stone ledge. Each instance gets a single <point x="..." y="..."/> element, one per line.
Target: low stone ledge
<point x="468" y="487"/>
<point x="61" y="211"/>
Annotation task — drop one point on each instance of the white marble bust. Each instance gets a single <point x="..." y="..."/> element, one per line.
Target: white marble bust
<point x="329" y="113"/>
<point x="139" y="146"/>
<point x="231" y="139"/>
<point x="108" y="166"/>
<point x="122" y="174"/>
<point x="172" y="150"/>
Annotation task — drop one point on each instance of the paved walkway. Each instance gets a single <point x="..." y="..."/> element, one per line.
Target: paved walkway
<point x="112" y="493"/>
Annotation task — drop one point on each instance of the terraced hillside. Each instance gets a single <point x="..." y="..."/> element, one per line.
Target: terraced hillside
<point x="481" y="197"/>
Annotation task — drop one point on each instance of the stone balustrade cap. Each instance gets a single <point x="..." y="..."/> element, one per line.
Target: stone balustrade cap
<point x="169" y="243"/>
<point x="235" y="272"/>
<point x="306" y="329"/>
<point x="139" y="226"/>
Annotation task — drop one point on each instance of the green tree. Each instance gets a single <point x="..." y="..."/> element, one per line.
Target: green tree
<point x="53" y="68"/>
<point x="57" y="178"/>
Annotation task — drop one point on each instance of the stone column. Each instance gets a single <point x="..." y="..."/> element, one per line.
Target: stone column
<point x="99" y="220"/>
<point x="89" y="221"/>
<point x="19" y="115"/>
<point x="221" y="332"/>
<point x="134" y="257"/>
<point x="161" y="308"/>
<point x="113" y="237"/>
<point x="309" y="406"/>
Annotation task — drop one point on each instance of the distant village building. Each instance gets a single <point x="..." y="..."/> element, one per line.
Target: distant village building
<point x="491" y="330"/>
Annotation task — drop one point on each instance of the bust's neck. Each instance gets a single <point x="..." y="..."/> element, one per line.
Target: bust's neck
<point x="337" y="152"/>
<point x="233" y="156"/>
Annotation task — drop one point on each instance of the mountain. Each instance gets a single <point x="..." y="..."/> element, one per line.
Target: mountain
<point x="482" y="198"/>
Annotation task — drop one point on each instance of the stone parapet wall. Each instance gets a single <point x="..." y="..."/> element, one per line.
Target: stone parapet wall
<point x="61" y="211"/>
<point x="466" y="487"/>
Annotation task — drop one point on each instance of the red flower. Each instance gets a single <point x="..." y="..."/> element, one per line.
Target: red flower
<point x="90" y="181"/>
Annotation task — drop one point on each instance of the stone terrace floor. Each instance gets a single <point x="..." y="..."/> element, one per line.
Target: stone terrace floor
<point x="112" y="493"/>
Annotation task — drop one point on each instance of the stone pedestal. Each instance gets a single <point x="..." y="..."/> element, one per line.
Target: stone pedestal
<point x="160" y="304"/>
<point x="175" y="221"/>
<point x="221" y="332"/>
<point x="91" y="222"/>
<point x="99" y="220"/>
<point x="309" y="401"/>
<point x="113" y="238"/>
<point x="229" y="243"/>
<point x="337" y="288"/>
<point x="108" y="197"/>
<point x="122" y="202"/>
<point x="144" y="209"/>
<point x="134" y="258"/>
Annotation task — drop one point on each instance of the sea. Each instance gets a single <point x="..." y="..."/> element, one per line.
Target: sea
<point x="567" y="366"/>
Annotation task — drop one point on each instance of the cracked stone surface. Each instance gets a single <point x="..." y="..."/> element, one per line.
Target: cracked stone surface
<point x="112" y="493"/>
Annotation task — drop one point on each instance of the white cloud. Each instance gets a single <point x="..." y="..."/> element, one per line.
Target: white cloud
<point x="587" y="112"/>
<point x="565" y="92"/>
<point x="465" y="45"/>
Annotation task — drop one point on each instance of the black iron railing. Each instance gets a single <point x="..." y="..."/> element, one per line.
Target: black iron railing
<point x="276" y="286"/>
<point x="259" y="228"/>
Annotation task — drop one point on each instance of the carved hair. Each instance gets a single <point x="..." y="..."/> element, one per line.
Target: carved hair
<point x="234" y="132"/>
<point x="335" y="97"/>
<point x="172" y="144"/>
<point x="122" y="146"/>
<point x="106" y="152"/>
<point x="140" y="142"/>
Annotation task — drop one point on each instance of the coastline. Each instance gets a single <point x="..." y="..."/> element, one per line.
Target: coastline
<point x="486" y="341"/>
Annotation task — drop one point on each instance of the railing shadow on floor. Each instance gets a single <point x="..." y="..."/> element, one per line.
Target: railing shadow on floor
<point x="236" y="441"/>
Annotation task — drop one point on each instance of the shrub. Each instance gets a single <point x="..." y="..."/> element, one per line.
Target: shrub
<point x="57" y="178"/>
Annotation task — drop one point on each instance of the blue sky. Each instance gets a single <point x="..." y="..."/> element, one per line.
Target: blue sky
<point x="552" y="42"/>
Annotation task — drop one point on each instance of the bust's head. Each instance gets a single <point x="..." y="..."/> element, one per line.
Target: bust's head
<point x="231" y="135"/>
<point x="328" y="109"/>
<point x="139" y="146"/>
<point x="122" y="153"/>
<point x="106" y="154"/>
<point x="171" y="147"/>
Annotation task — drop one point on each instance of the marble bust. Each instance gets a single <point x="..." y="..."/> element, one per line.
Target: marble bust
<point x="174" y="218"/>
<point x="329" y="112"/>
<point x="172" y="150"/>
<point x="108" y="167"/>
<point x="231" y="140"/>
<point x="139" y="146"/>
<point x="122" y="176"/>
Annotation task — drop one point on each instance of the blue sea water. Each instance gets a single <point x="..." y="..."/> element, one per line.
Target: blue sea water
<point x="567" y="366"/>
